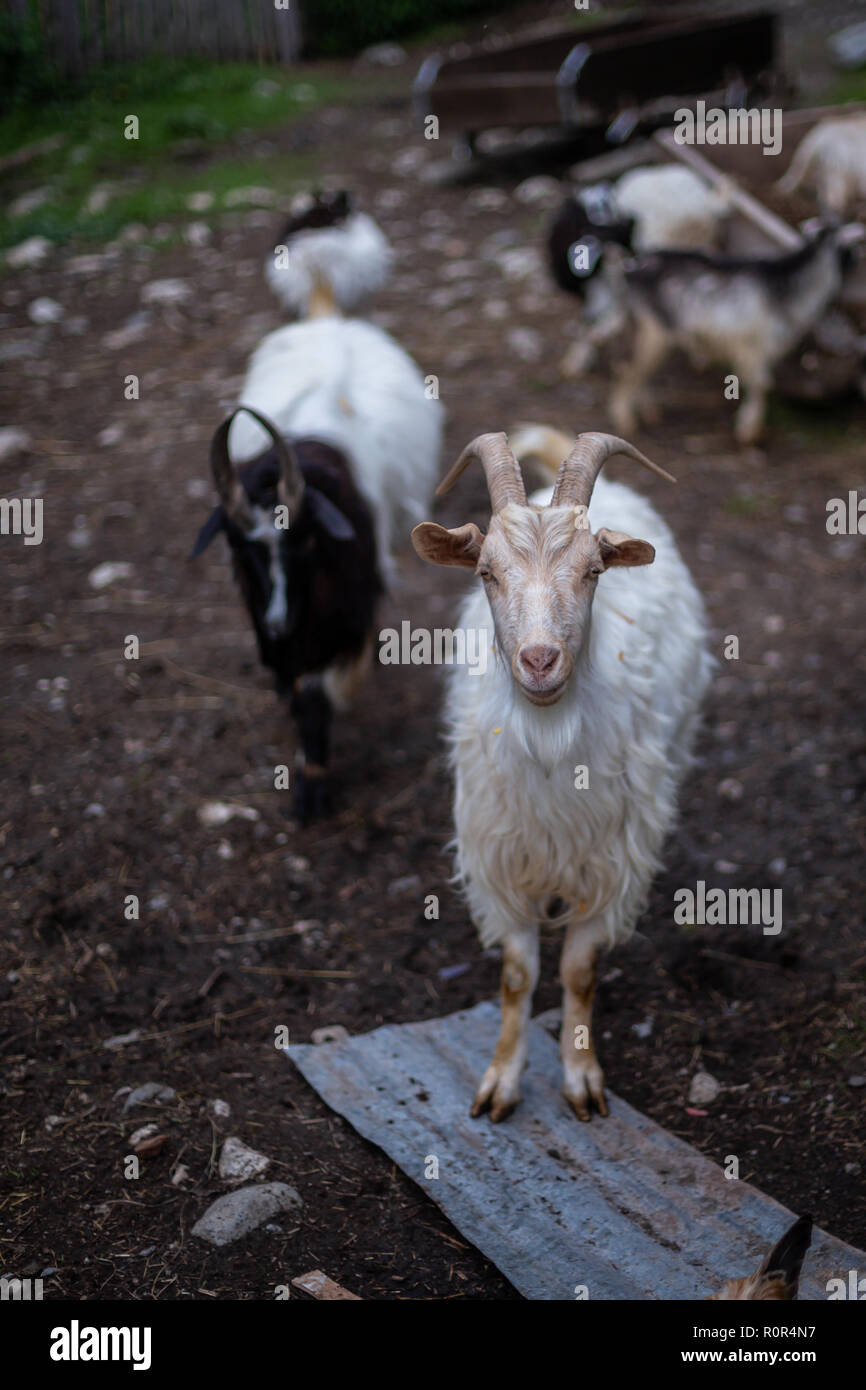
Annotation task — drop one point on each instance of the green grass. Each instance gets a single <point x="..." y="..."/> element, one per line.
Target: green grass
<point x="190" y="116"/>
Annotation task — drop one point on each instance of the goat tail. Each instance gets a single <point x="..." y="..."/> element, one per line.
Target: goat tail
<point x="330" y="271"/>
<point x="541" y="445"/>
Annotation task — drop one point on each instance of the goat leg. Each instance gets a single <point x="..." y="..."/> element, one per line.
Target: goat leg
<point x="499" y="1091"/>
<point x="312" y="712"/>
<point x="583" y="1077"/>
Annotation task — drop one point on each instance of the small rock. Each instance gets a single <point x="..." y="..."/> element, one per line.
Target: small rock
<point x="30" y="252"/>
<point x="703" y="1089"/>
<point x="112" y="434"/>
<point x="403" y="885"/>
<point x="94" y="811"/>
<point x="165" y="292"/>
<point x="130" y="332"/>
<point x="200" y="202"/>
<point x="219" y="812"/>
<point x="219" y="1109"/>
<point x="452" y="972"/>
<point x="180" y="1174"/>
<point x="725" y="866"/>
<point x="643" y="1030"/>
<point x="335" y="1033"/>
<point x="239" y="1212"/>
<point x="197" y="234"/>
<point x="29" y="202"/>
<point x="525" y="343"/>
<point x="12" y="441"/>
<point x="108" y="573"/>
<point x="384" y="55"/>
<point x="542" y="190"/>
<point x="52" y="1121"/>
<point x="123" y="1039"/>
<point x="239" y="1163"/>
<point x="98" y="200"/>
<point x="730" y="789"/>
<point x="44" y="310"/>
<point x="141" y="1135"/>
<point x="857" y="1081"/>
<point x="149" y="1091"/>
<point x="777" y="867"/>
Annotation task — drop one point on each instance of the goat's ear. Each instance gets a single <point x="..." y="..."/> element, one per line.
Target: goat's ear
<point x="329" y="517"/>
<point x="438" y="546"/>
<point x="619" y="549"/>
<point x="214" y="524"/>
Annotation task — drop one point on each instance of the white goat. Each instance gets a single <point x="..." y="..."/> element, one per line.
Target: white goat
<point x="832" y="157"/>
<point x="569" y="749"/>
<point x="326" y="251"/>
<point x="671" y="206"/>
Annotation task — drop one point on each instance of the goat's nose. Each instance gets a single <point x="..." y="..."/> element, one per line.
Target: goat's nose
<point x="539" y="660"/>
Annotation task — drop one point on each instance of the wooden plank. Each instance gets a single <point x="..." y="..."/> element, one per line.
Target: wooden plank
<point x="619" y="1205"/>
<point x="771" y="226"/>
<point x="318" y="1285"/>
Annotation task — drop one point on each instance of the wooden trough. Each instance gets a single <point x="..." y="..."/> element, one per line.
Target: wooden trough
<point x="610" y="75"/>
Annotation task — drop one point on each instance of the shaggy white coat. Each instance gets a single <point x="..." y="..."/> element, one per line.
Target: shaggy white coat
<point x="348" y="383"/>
<point x="525" y="835"/>
<point x="354" y="258"/>
<point x="672" y="206"/>
<point x="832" y="156"/>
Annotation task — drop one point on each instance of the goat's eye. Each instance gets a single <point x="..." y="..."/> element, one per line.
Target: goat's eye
<point x="595" y="571"/>
<point x="486" y="574"/>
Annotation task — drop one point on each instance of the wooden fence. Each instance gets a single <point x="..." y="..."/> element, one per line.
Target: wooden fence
<point x="84" y="34"/>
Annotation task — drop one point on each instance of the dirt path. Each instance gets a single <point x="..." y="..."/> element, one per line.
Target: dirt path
<point x="106" y="763"/>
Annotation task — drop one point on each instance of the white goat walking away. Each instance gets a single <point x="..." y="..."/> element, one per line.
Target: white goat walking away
<point x="832" y="159"/>
<point x="611" y="682"/>
<point x="338" y="426"/>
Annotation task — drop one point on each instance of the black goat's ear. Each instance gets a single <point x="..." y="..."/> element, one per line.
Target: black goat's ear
<point x="212" y="527"/>
<point x="329" y="517"/>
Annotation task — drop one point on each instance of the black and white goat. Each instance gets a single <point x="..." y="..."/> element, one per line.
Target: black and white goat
<point x="744" y="312"/>
<point x="337" y="443"/>
<point x="648" y="208"/>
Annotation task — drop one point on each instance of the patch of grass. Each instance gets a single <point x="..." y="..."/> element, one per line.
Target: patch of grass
<point x="849" y="86"/>
<point x="189" y="114"/>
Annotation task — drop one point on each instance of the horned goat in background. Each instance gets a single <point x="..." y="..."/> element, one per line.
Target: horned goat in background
<point x="657" y="206"/>
<point x="333" y="454"/>
<point x="743" y="312"/>
<point x="568" y="751"/>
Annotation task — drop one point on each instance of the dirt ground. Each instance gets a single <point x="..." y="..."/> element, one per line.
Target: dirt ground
<point x="255" y="924"/>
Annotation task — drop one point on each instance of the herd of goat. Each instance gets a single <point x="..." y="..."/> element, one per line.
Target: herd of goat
<point x="332" y="458"/>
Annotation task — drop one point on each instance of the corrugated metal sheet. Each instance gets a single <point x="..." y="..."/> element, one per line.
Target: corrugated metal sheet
<point x="619" y="1205"/>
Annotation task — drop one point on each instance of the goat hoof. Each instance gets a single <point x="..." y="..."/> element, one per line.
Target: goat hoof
<point x="496" y="1095"/>
<point x="585" y="1093"/>
<point x="312" y="798"/>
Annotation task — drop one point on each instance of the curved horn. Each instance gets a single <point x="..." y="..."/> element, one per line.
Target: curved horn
<point x="501" y="469"/>
<point x="290" y="485"/>
<point x="578" y="472"/>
